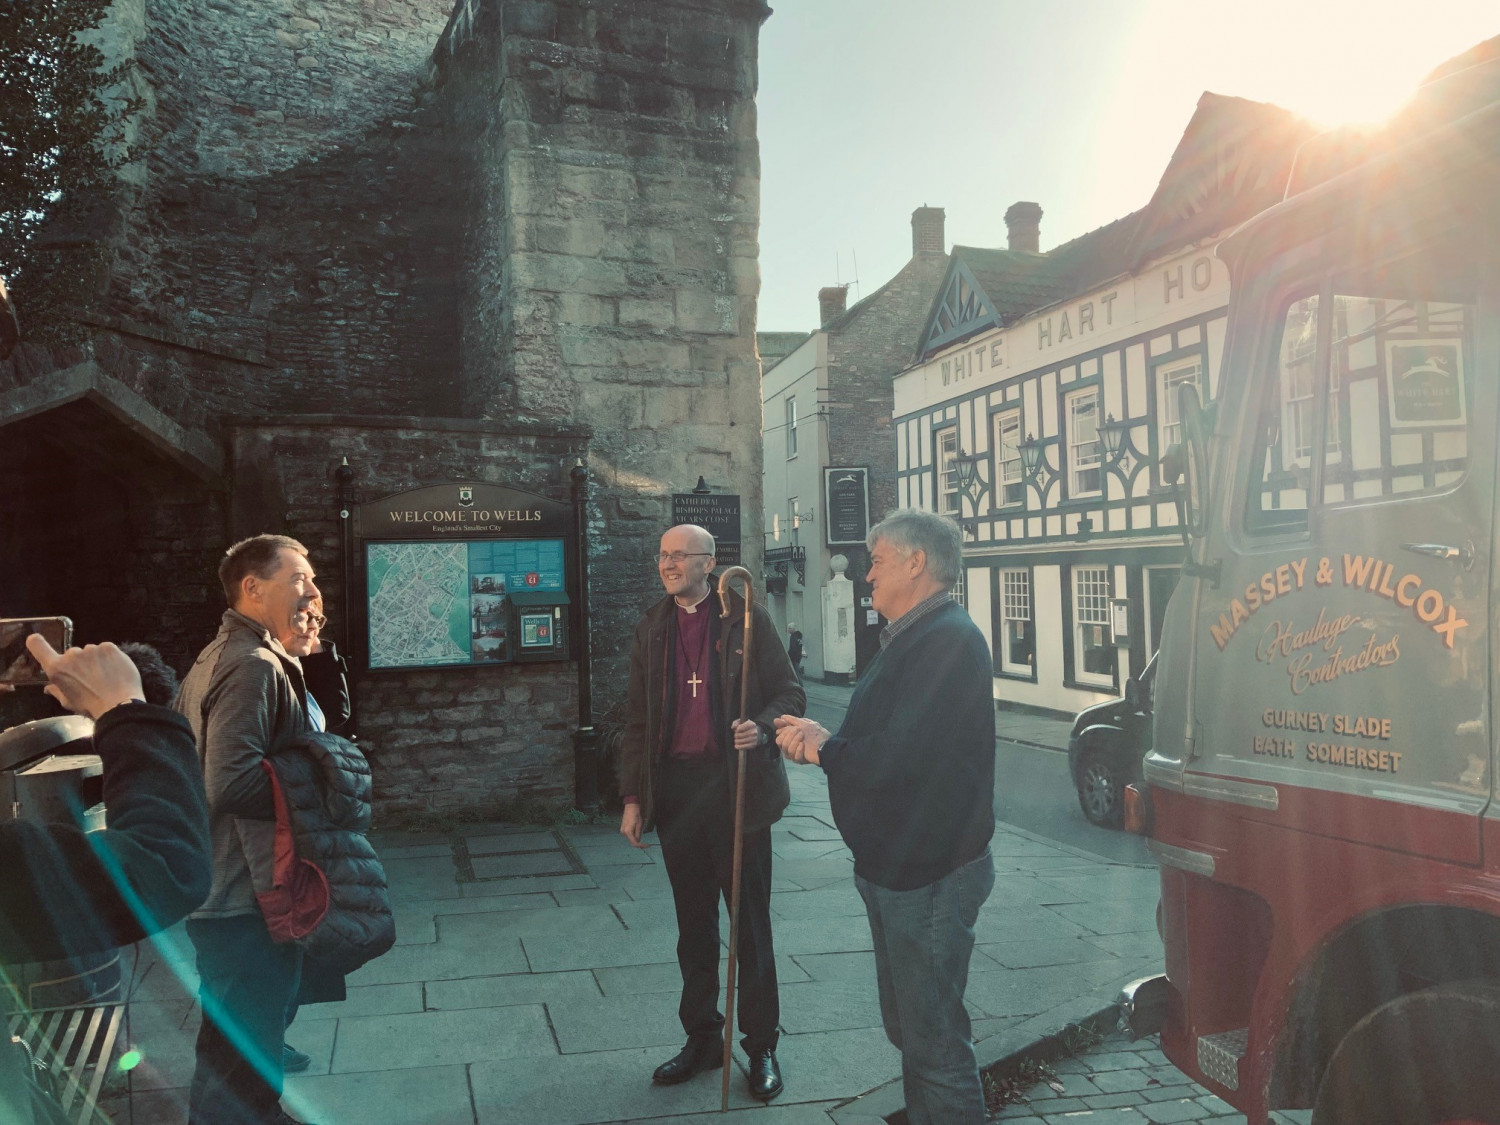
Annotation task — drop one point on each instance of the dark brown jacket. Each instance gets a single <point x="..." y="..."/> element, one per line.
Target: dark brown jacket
<point x="774" y="691"/>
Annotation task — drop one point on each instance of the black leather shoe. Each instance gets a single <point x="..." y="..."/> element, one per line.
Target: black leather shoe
<point x="765" y="1076"/>
<point x="699" y="1054"/>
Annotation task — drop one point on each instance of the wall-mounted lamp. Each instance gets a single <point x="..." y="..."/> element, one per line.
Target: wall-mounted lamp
<point x="1112" y="434"/>
<point x="1031" y="456"/>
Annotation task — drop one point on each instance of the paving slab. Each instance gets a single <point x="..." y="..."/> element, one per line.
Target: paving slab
<point x="369" y="1000"/>
<point x="434" y="1095"/>
<point x="600" y="950"/>
<point x="476" y="930"/>
<point x="440" y="961"/>
<point x="505" y="842"/>
<point x="521" y="863"/>
<point x="632" y="980"/>
<point x="612" y="1023"/>
<point x="423" y="1039"/>
<point x="603" y="1086"/>
<point x="510" y="990"/>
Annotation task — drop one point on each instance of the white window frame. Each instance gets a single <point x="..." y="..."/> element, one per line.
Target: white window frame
<point x="796" y="520"/>
<point x="1169" y="377"/>
<point x="1009" y="472"/>
<point x="960" y="587"/>
<point x="1298" y="376"/>
<point x="945" y="453"/>
<point x="1016" y="605"/>
<point x="1085" y="454"/>
<point x="1091" y="610"/>
<point x="791" y="428"/>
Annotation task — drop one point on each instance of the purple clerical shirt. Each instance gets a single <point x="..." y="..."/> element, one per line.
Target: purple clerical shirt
<point x="692" y="661"/>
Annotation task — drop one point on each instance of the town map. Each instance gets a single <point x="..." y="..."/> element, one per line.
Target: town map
<point x="449" y="603"/>
<point x="419" y="604"/>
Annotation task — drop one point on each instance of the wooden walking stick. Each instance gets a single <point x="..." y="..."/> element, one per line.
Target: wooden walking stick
<point x="739" y="819"/>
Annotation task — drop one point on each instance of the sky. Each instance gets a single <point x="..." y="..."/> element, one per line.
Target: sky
<point x="869" y="109"/>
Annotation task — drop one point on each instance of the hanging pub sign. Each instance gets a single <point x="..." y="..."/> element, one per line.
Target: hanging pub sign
<point x="846" y="500"/>
<point x="717" y="513"/>
<point x="464" y="574"/>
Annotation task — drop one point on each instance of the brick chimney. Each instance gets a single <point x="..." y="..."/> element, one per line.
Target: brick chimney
<point x="1023" y="225"/>
<point x="832" y="301"/>
<point x="927" y="231"/>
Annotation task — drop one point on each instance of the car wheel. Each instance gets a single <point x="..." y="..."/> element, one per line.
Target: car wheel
<point x="1101" y="789"/>
<point x="1426" y="1058"/>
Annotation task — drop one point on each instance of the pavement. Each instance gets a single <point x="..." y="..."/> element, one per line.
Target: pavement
<point x="534" y="981"/>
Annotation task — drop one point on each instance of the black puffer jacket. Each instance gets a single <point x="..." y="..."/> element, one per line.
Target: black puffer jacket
<point x="327" y="785"/>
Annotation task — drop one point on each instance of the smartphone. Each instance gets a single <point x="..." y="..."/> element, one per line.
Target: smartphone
<point x="17" y="665"/>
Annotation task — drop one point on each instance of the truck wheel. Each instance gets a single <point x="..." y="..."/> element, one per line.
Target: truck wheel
<point x="1426" y="1058"/>
<point x="1101" y="790"/>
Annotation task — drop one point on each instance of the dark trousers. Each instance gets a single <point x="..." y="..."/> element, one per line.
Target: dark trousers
<point x="695" y="820"/>
<point x="247" y="983"/>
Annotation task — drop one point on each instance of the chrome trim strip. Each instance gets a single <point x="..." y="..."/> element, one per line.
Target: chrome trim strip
<point x="1199" y="863"/>
<point x="1235" y="792"/>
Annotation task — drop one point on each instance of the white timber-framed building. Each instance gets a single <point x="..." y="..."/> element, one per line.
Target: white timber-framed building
<point x="1045" y="396"/>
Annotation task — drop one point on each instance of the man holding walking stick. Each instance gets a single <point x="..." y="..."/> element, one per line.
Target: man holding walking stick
<point x="677" y="775"/>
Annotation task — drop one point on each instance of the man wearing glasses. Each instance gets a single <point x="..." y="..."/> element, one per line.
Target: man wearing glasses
<point x="681" y="735"/>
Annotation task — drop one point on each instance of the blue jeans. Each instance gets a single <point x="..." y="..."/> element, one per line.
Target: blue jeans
<point x="923" y="939"/>
<point x="247" y="984"/>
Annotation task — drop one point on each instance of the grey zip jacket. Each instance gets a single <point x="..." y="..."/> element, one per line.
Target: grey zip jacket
<point x="244" y="694"/>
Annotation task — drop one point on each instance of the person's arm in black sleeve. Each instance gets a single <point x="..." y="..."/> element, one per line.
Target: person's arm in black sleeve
<point x="65" y="892"/>
<point x="326" y="675"/>
<point x="945" y="692"/>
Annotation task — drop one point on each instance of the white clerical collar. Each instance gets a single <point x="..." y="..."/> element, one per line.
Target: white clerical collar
<point x="694" y="607"/>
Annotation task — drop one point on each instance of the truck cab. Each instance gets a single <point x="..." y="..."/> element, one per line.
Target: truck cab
<point x="1320" y="790"/>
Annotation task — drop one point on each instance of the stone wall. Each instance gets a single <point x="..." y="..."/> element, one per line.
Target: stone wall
<point x="284" y="243"/>
<point x="611" y="269"/>
<point x="443" y="739"/>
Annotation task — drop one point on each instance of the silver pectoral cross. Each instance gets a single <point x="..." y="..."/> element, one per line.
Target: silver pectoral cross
<point x="694" y="681"/>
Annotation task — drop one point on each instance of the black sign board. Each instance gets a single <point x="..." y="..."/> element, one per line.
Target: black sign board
<point x="462" y="511"/>
<point x="717" y="513"/>
<point x="465" y="574"/>
<point x="846" y="501"/>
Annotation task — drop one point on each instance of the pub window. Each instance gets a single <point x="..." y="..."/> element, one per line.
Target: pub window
<point x="1017" y="630"/>
<point x="1093" y="643"/>
<point x="1170" y="377"/>
<point x="791" y="428"/>
<point x="1403" y="368"/>
<point x="796" y="522"/>
<point x="1011" y="485"/>
<point x="959" y="589"/>
<point x="1283" y="438"/>
<point x="947" y="472"/>
<point x="1085" y="455"/>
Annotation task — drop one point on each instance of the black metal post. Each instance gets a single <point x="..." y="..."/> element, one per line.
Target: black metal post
<point x="344" y="474"/>
<point x="585" y="738"/>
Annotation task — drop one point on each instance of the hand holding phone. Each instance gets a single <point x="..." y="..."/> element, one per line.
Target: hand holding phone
<point x="17" y="666"/>
<point x="88" y="680"/>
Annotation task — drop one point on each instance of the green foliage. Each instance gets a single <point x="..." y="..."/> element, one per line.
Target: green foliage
<point x="60" y="143"/>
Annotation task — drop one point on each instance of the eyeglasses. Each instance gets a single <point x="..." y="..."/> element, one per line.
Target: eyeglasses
<point x="681" y="556"/>
<point x="316" y="621"/>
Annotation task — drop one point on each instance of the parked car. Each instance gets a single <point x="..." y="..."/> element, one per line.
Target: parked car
<point x="1106" y="747"/>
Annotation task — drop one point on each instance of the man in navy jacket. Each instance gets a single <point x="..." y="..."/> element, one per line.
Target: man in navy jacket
<point x="911" y="778"/>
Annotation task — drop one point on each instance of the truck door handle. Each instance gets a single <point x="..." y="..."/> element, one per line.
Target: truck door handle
<point x="1464" y="554"/>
